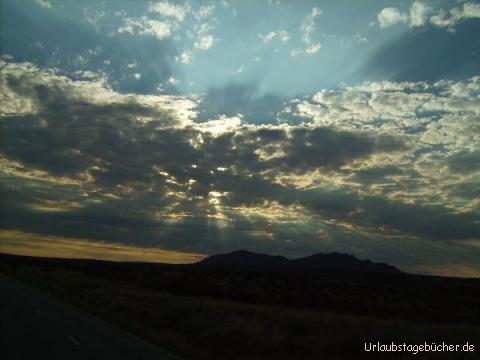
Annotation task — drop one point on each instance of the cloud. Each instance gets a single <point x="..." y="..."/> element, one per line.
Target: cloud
<point x="239" y="70"/>
<point x="30" y="90"/>
<point x="205" y="42"/>
<point x="313" y="48"/>
<point x="450" y="18"/>
<point x="391" y="16"/>
<point x="145" y="26"/>
<point x="186" y="57"/>
<point x="21" y="243"/>
<point x="267" y="37"/>
<point x="282" y="35"/>
<point x="159" y="29"/>
<point x="379" y="162"/>
<point x="421" y="14"/>
<point x="173" y="81"/>
<point x="162" y="20"/>
<point x="43" y="3"/>
<point x="437" y="118"/>
<point x="453" y="270"/>
<point x="221" y="125"/>
<point x="307" y="29"/>
<point x="95" y="47"/>
<point x="308" y="26"/>
<point x="166" y="9"/>
<point x="204" y="11"/>
<point x="202" y="33"/>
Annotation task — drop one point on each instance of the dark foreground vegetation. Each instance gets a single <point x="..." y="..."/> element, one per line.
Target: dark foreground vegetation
<point x="221" y="312"/>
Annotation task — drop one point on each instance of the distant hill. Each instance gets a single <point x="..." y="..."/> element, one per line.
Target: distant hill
<point x="246" y="258"/>
<point x="334" y="261"/>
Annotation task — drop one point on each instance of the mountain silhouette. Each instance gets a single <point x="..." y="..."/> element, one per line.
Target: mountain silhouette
<point x="334" y="261"/>
<point x="246" y="258"/>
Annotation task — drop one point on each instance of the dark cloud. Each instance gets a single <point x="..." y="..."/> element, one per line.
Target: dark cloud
<point x="376" y="174"/>
<point x="467" y="190"/>
<point x="435" y="222"/>
<point x="464" y="162"/>
<point x="308" y="148"/>
<point x="110" y="175"/>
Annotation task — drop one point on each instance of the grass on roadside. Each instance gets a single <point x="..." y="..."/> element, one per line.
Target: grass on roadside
<point x="200" y="328"/>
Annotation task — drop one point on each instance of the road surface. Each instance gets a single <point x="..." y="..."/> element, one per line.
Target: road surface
<point x="36" y="325"/>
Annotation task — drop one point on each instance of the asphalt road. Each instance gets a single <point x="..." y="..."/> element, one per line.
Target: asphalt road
<point x="36" y="325"/>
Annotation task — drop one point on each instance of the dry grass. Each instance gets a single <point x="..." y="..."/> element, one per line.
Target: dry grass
<point x="204" y="328"/>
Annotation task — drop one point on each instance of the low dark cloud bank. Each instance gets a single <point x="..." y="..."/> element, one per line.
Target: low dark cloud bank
<point x="84" y="161"/>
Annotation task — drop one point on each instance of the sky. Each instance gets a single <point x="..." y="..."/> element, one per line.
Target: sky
<point x="168" y="131"/>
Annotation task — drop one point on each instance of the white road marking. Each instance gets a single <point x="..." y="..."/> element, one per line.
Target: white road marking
<point x="73" y="340"/>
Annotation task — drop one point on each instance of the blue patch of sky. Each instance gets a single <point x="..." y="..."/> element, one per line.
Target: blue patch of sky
<point x="74" y="35"/>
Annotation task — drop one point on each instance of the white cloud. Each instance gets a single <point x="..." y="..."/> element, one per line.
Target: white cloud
<point x="145" y="26"/>
<point x="205" y="42"/>
<point x="307" y="28"/>
<point x="360" y="39"/>
<point x="267" y="37"/>
<point x="284" y="36"/>
<point x="96" y="92"/>
<point x="171" y="80"/>
<point x="86" y="75"/>
<point x="203" y="28"/>
<point x="442" y="19"/>
<point x="204" y="11"/>
<point x="391" y="16"/>
<point x="202" y="33"/>
<point x="159" y="29"/>
<point x="438" y="120"/>
<point x="315" y="12"/>
<point x="221" y="125"/>
<point x="239" y="70"/>
<point x="419" y="14"/>
<point x="448" y="19"/>
<point x="93" y="17"/>
<point x="167" y="9"/>
<point x="313" y="48"/>
<point x="464" y="89"/>
<point x="43" y="3"/>
<point x="186" y="57"/>
<point x="471" y="10"/>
